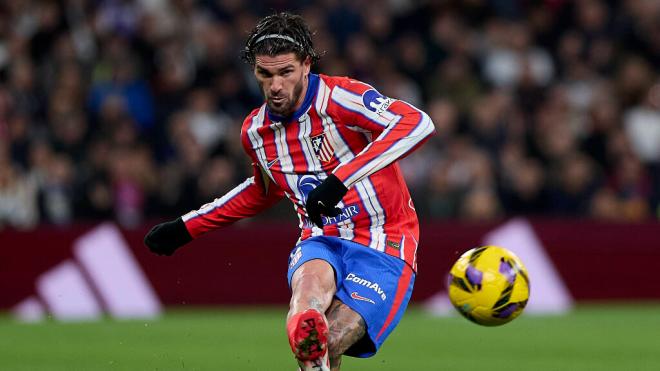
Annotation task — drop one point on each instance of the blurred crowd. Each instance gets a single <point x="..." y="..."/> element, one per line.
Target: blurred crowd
<point x="131" y="110"/>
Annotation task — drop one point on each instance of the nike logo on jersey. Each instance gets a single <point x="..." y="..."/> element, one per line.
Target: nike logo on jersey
<point x="356" y="296"/>
<point x="271" y="163"/>
<point x="368" y="284"/>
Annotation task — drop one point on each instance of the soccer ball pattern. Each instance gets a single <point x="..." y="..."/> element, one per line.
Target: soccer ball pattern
<point x="489" y="285"/>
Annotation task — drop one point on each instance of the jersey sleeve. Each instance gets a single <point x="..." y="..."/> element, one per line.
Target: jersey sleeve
<point x="398" y="128"/>
<point x="256" y="194"/>
<point x="249" y="198"/>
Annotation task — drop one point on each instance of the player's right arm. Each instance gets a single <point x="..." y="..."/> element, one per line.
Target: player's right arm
<point x="256" y="194"/>
<point x="249" y="198"/>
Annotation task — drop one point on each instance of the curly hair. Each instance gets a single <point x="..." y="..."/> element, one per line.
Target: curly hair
<point x="280" y="33"/>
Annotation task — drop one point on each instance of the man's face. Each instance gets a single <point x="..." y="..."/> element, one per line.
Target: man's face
<point x="283" y="79"/>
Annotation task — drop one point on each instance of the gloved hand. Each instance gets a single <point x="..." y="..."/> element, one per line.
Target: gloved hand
<point x="323" y="199"/>
<point x="165" y="238"/>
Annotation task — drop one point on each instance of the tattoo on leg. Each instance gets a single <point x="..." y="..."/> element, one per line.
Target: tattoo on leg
<point x="315" y="303"/>
<point x="346" y="328"/>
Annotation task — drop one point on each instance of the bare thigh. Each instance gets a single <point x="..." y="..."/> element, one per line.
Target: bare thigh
<point x="313" y="286"/>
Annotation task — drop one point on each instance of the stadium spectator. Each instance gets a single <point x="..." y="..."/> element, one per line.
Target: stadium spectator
<point x="18" y="207"/>
<point x="642" y="125"/>
<point x="529" y="86"/>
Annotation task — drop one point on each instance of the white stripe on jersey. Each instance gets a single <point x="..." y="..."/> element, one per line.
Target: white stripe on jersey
<point x="365" y="188"/>
<point x="353" y="102"/>
<point x="380" y="214"/>
<point x="286" y="163"/>
<point x="258" y="142"/>
<point x="415" y="252"/>
<point x="342" y="151"/>
<point x="313" y="163"/>
<point x="304" y="133"/>
<point x="402" y="247"/>
<point x="377" y="236"/>
<point x="301" y="225"/>
<point x="218" y="202"/>
<point x="401" y="146"/>
<point x="345" y="227"/>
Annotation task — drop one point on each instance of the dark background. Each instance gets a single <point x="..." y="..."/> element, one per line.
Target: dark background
<point x="130" y="110"/>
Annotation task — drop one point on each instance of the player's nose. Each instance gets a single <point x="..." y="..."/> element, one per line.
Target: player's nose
<point x="276" y="85"/>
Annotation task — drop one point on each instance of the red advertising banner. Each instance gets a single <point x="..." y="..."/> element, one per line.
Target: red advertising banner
<point x="246" y="264"/>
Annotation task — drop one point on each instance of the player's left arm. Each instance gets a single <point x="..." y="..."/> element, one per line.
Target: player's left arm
<point x="398" y="128"/>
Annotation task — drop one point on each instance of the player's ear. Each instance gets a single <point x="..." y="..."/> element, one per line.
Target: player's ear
<point x="307" y="65"/>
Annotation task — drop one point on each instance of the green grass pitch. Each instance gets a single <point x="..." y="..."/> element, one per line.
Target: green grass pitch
<point x="593" y="337"/>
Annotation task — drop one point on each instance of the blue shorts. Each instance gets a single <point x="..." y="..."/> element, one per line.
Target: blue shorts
<point x="375" y="285"/>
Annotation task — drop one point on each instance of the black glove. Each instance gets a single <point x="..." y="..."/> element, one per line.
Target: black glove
<point x="323" y="199"/>
<point x="165" y="238"/>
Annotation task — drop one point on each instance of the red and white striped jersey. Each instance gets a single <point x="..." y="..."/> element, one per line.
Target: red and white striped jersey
<point x="344" y="127"/>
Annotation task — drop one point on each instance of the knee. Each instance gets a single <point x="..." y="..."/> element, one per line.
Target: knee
<point x="315" y="276"/>
<point x="311" y="285"/>
<point x="307" y="280"/>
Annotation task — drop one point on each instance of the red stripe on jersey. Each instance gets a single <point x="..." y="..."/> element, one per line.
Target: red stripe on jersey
<point x="266" y="135"/>
<point x="360" y="223"/>
<point x="306" y="233"/>
<point x="394" y="205"/>
<point x="270" y="147"/>
<point x="408" y="209"/>
<point x="295" y="148"/>
<point x="245" y="139"/>
<point x="379" y="147"/>
<point x="401" y="289"/>
<point x="390" y="205"/>
<point x="331" y="230"/>
<point x="273" y="158"/>
<point x="355" y="140"/>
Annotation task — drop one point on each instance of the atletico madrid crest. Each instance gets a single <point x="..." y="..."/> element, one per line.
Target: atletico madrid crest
<point x="323" y="147"/>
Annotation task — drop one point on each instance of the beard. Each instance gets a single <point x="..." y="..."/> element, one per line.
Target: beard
<point x="287" y="105"/>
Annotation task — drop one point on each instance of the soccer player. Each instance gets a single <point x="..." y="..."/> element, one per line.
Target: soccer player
<point x="330" y="145"/>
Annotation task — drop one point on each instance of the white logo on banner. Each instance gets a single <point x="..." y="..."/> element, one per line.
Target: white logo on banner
<point x="67" y="294"/>
<point x="30" y="310"/>
<point x="105" y="276"/>
<point x="549" y="294"/>
<point x="548" y="291"/>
